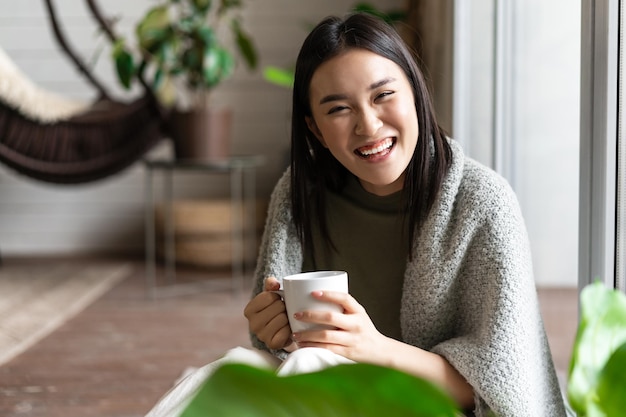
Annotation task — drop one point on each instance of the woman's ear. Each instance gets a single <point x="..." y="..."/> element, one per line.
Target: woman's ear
<point x="315" y="130"/>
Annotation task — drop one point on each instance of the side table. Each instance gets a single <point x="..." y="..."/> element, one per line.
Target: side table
<point x="241" y="172"/>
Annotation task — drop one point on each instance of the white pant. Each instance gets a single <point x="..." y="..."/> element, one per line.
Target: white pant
<point x="300" y="361"/>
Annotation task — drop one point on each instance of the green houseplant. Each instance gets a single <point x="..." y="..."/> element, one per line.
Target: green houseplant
<point x="185" y="49"/>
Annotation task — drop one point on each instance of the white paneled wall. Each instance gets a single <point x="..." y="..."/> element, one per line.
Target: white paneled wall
<point x="107" y="216"/>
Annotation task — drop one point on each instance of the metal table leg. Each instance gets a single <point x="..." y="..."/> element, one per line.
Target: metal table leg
<point x="149" y="234"/>
<point x="237" y="232"/>
<point x="170" y="249"/>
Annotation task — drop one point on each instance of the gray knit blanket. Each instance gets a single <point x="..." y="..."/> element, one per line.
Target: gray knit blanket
<point x="469" y="292"/>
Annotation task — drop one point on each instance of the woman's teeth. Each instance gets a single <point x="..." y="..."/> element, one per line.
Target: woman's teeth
<point x="369" y="151"/>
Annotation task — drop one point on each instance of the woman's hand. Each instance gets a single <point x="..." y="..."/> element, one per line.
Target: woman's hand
<point x="267" y="317"/>
<point x="355" y="336"/>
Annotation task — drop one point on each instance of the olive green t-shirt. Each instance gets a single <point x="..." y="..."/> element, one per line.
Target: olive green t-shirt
<point x="370" y="244"/>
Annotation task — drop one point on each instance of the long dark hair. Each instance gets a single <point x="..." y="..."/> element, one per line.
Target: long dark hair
<point x="314" y="169"/>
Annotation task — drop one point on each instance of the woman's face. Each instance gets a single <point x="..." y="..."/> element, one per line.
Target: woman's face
<point x="363" y="111"/>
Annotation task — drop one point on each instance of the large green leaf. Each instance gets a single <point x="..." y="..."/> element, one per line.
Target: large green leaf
<point x="612" y="384"/>
<point x="345" y="390"/>
<point x="601" y="330"/>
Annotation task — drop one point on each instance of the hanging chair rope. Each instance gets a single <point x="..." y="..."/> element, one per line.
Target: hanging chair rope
<point x="63" y="43"/>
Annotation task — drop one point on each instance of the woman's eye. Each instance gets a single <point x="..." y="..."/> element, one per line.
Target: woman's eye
<point x="336" y="109"/>
<point x="384" y="94"/>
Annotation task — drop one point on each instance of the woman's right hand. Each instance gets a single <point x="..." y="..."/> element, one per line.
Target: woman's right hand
<point x="267" y="317"/>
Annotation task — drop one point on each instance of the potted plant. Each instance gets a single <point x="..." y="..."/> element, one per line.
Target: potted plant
<point x="182" y="56"/>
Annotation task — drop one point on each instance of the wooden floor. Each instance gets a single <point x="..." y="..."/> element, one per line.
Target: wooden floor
<point x="124" y="351"/>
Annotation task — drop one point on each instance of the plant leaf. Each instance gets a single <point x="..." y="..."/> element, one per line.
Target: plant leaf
<point x="245" y="45"/>
<point x="206" y="35"/>
<point x="279" y="76"/>
<point x="154" y="27"/>
<point x="345" y="390"/>
<point x="218" y="65"/>
<point x="202" y="6"/>
<point x="601" y="330"/>
<point x="611" y="384"/>
<point x="124" y="64"/>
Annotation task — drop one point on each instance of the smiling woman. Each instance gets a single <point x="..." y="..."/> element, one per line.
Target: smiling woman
<point x="434" y="244"/>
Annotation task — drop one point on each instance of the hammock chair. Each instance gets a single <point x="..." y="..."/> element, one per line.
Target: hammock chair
<point x="57" y="140"/>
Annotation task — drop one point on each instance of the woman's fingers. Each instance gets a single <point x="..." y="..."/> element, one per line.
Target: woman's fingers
<point x="267" y="317"/>
<point x="332" y="319"/>
<point x="271" y="325"/>
<point x="262" y="300"/>
<point x="262" y="310"/>
<point x="271" y="284"/>
<point x="259" y="303"/>
<point x="280" y="338"/>
<point x="348" y="319"/>
<point x="352" y="332"/>
<point x="344" y="300"/>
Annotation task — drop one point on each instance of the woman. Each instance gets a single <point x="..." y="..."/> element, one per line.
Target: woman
<point x="434" y="244"/>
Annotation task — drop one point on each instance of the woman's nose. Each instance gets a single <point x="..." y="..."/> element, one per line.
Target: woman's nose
<point x="368" y="123"/>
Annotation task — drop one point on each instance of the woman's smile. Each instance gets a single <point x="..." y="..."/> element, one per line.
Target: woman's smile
<point x="377" y="150"/>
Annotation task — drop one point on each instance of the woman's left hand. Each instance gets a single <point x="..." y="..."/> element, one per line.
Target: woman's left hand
<point x="355" y="336"/>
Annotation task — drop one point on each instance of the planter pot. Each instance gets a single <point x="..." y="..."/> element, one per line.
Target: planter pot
<point x="203" y="133"/>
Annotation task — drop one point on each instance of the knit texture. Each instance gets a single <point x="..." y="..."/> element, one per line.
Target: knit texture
<point x="469" y="293"/>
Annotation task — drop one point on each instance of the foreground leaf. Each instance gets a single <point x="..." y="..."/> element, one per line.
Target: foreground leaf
<point x="612" y="384"/>
<point x="345" y="390"/>
<point x="601" y="330"/>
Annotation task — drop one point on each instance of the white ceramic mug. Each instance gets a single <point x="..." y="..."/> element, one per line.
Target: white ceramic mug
<point x="296" y="292"/>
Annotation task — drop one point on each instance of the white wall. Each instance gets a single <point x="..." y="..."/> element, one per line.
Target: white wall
<point x="107" y="216"/>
